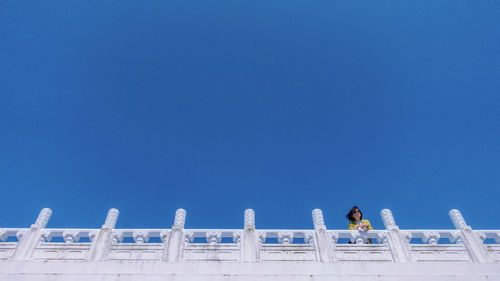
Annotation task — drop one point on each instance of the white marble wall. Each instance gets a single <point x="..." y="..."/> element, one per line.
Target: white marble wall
<point x="390" y="245"/>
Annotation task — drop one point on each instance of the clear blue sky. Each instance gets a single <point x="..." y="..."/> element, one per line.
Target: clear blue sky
<point x="221" y="105"/>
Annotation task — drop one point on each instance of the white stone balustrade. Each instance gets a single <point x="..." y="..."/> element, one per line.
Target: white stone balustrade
<point x="494" y="234"/>
<point x="206" y="236"/>
<point x="139" y="236"/>
<point x="283" y="236"/>
<point x="347" y="235"/>
<point x="250" y="244"/>
<point x="16" y="233"/>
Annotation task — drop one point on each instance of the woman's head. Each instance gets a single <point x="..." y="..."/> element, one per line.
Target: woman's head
<point x="354" y="214"/>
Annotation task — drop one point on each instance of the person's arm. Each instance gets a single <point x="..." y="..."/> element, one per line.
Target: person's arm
<point x="369" y="225"/>
<point x="351" y="226"/>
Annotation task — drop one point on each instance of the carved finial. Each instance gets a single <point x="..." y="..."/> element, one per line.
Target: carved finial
<point x="388" y="219"/>
<point x="111" y="218"/>
<point x="457" y="219"/>
<point x="180" y="219"/>
<point x="318" y="220"/>
<point x="249" y="219"/>
<point x="43" y="218"/>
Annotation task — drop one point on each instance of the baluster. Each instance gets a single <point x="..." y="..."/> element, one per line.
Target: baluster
<point x="164" y="235"/>
<point x="21" y="234"/>
<point x="358" y="236"/>
<point x="45" y="236"/>
<point x="430" y="237"/>
<point x="236" y="237"/>
<point x="117" y="236"/>
<point x="262" y="237"/>
<point x="481" y="235"/>
<point x="71" y="236"/>
<point x="285" y="237"/>
<point x="140" y="236"/>
<point x="309" y="238"/>
<point x="3" y="234"/>
<point x="188" y="236"/>
<point x="213" y="237"/>
<point x="93" y="234"/>
<point x="383" y="238"/>
<point x="456" y="237"/>
<point x="334" y="237"/>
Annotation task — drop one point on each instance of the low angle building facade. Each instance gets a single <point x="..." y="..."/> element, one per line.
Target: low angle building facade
<point x="40" y="253"/>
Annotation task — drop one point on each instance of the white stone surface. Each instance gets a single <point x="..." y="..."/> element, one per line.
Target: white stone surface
<point x="39" y="253"/>
<point x="271" y="271"/>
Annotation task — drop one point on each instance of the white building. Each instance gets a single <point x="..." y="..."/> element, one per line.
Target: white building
<point x="39" y="253"/>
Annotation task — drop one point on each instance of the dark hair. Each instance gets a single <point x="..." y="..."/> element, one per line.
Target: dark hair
<point x="352" y="211"/>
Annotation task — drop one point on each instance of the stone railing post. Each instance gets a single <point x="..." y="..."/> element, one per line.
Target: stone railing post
<point x="102" y="243"/>
<point x="471" y="242"/>
<point x="398" y="244"/>
<point x="323" y="245"/>
<point x="29" y="241"/>
<point x="249" y="243"/>
<point x="174" y="244"/>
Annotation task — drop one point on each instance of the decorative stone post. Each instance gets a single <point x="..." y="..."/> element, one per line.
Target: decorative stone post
<point x="324" y="247"/>
<point x="31" y="238"/>
<point x="471" y="242"/>
<point x="249" y="245"/>
<point x="398" y="244"/>
<point x="174" y="244"/>
<point x="104" y="239"/>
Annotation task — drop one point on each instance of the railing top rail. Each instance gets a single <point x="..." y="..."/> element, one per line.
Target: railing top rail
<point x="69" y="229"/>
<point x="13" y="228"/>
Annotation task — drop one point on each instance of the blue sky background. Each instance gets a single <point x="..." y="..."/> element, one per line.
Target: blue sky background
<point x="222" y="105"/>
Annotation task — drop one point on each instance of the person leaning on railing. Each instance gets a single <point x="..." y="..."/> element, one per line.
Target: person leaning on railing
<point x="356" y="221"/>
